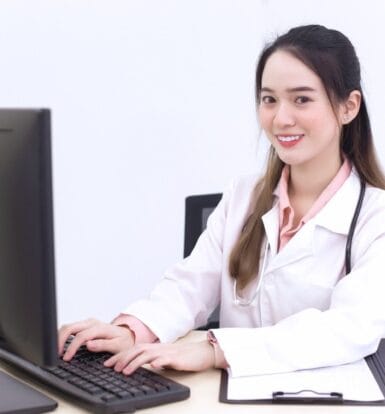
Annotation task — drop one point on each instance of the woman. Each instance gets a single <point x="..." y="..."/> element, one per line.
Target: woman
<point x="273" y="254"/>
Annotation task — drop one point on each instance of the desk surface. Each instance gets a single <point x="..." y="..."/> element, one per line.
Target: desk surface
<point x="204" y="388"/>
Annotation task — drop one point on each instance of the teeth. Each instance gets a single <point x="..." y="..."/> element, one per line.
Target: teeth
<point x="290" y="138"/>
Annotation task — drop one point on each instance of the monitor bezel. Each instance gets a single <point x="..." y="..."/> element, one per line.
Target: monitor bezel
<point x="40" y="344"/>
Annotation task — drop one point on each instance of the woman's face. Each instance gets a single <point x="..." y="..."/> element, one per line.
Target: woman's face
<point x="296" y="114"/>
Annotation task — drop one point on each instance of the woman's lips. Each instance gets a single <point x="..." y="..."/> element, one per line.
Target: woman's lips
<point x="289" y="141"/>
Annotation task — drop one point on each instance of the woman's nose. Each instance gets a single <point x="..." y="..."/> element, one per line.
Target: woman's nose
<point x="284" y="116"/>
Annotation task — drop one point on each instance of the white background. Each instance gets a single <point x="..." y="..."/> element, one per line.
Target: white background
<point x="152" y="100"/>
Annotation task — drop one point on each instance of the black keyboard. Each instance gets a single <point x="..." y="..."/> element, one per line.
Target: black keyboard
<point x="102" y="390"/>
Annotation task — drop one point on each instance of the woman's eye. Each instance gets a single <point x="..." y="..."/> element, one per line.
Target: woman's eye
<point x="267" y="99"/>
<point x="302" y="99"/>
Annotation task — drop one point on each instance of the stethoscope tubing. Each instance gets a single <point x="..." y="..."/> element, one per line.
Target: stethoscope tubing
<point x="348" y="249"/>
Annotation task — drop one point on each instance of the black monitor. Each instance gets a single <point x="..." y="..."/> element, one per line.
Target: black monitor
<point x="27" y="275"/>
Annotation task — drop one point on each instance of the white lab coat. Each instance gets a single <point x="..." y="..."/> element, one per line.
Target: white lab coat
<point x="307" y="313"/>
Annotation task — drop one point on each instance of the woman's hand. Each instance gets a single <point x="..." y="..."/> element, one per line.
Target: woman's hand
<point x="97" y="336"/>
<point x="196" y="356"/>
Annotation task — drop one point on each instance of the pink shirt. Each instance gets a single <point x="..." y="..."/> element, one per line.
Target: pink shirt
<point x="287" y="230"/>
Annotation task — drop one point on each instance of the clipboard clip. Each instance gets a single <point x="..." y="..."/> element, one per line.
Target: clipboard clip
<point x="307" y="397"/>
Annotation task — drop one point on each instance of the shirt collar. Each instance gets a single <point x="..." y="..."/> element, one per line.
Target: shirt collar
<point x="283" y="198"/>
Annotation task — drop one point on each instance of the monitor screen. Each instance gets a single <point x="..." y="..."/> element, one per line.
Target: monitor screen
<point x="27" y="274"/>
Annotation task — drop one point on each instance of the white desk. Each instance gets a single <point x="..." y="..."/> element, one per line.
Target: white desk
<point x="204" y="388"/>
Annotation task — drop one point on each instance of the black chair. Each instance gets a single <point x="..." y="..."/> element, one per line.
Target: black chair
<point x="197" y="210"/>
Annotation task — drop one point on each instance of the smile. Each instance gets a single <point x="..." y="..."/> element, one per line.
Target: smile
<point x="288" y="141"/>
<point x="288" y="138"/>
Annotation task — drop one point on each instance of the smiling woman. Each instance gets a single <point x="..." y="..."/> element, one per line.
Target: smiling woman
<point x="303" y="126"/>
<point x="302" y="116"/>
<point x="274" y="250"/>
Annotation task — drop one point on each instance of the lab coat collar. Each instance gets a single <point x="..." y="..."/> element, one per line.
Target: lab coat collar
<point x="300" y="246"/>
<point x="271" y="223"/>
<point x="335" y="216"/>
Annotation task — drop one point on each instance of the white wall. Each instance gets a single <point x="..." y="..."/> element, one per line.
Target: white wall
<point x="152" y="100"/>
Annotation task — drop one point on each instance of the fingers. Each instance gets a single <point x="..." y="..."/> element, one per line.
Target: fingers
<point x="90" y="330"/>
<point x="187" y="357"/>
<point x="158" y="355"/>
<point x="72" y="329"/>
<point x="80" y="339"/>
<point x="113" y="346"/>
<point x="128" y="361"/>
<point x="161" y="362"/>
<point x="101" y="337"/>
<point x="123" y="358"/>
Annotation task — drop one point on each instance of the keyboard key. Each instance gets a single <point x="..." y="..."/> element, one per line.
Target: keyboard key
<point x="146" y="389"/>
<point x="92" y="389"/>
<point x="135" y="391"/>
<point x="108" y="397"/>
<point x="124" y="394"/>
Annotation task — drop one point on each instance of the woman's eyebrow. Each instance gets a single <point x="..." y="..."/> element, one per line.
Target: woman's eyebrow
<point x="291" y="90"/>
<point x="301" y="89"/>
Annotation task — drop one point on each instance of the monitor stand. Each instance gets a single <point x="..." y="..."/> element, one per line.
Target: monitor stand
<point x="16" y="396"/>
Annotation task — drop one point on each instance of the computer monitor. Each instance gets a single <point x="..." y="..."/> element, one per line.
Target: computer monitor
<point x="28" y="331"/>
<point x="27" y="276"/>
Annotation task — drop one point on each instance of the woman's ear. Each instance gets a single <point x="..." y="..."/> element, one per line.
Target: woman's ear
<point x="350" y="108"/>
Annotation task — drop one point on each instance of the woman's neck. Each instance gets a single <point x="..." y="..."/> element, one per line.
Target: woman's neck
<point x="309" y="180"/>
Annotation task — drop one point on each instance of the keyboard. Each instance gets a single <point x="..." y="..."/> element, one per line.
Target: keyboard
<point x="102" y="390"/>
<point x="107" y="391"/>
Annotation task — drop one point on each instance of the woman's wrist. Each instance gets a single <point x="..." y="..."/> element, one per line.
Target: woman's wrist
<point x="219" y="356"/>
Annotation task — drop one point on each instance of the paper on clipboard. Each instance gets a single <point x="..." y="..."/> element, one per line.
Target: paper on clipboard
<point x="355" y="381"/>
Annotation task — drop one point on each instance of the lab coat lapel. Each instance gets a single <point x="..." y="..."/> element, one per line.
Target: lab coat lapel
<point x="300" y="246"/>
<point x="337" y="214"/>
<point x="271" y="224"/>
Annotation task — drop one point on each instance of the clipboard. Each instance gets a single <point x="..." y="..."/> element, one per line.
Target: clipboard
<point x="375" y="362"/>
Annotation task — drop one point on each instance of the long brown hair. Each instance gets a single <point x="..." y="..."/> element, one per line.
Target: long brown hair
<point x="331" y="56"/>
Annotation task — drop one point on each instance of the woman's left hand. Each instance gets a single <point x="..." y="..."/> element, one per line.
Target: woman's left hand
<point x="195" y="356"/>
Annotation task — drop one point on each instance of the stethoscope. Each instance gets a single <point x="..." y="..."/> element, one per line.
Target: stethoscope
<point x="348" y="249"/>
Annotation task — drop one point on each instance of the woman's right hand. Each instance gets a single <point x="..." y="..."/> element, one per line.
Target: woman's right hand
<point x="97" y="336"/>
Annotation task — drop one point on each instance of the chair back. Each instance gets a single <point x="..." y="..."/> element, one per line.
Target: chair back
<point x="197" y="210"/>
